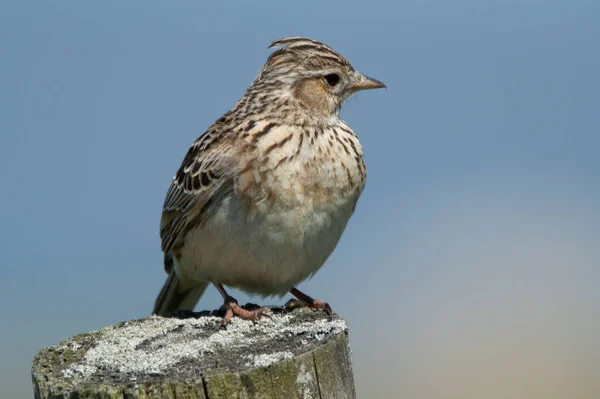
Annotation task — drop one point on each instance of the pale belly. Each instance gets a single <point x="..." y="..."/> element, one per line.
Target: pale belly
<point x="267" y="253"/>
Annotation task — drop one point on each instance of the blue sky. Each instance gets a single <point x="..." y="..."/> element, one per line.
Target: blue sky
<point x="471" y="267"/>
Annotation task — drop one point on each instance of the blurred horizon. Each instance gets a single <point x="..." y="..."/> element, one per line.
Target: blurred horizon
<point x="472" y="264"/>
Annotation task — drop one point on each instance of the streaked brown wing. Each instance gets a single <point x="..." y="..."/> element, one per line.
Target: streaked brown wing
<point x="205" y="171"/>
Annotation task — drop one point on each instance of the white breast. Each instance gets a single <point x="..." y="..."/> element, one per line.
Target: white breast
<point x="269" y="252"/>
<point x="286" y="214"/>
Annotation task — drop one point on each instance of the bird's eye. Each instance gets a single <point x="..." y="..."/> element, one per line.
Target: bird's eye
<point x="332" y="79"/>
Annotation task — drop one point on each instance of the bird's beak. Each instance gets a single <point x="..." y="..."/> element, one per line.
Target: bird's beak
<point x="365" y="83"/>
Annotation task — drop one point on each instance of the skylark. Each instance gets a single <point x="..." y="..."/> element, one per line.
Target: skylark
<point x="263" y="196"/>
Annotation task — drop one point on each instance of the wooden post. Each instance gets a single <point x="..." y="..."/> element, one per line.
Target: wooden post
<point x="302" y="354"/>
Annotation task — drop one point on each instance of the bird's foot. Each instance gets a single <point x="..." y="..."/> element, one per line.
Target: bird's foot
<point x="233" y="308"/>
<point x="305" y="301"/>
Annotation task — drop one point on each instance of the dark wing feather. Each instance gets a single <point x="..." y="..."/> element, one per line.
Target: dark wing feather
<point x="205" y="171"/>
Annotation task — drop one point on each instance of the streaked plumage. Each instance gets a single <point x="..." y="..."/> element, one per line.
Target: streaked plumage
<point x="263" y="196"/>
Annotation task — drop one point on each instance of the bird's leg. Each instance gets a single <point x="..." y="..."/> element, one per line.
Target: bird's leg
<point x="233" y="308"/>
<point x="306" y="301"/>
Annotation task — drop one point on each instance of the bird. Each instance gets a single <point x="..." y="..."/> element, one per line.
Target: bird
<point x="262" y="198"/>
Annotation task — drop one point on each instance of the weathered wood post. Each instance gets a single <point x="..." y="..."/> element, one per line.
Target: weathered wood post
<point x="302" y="354"/>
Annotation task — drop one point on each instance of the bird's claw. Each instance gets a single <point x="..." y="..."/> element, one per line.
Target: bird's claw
<point x="234" y="309"/>
<point x="316" y="304"/>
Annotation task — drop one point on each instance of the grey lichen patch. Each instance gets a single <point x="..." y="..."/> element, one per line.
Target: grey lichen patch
<point x="182" y="349"/>
<point x="306" y="382"/>
<point x="267" y="359"/>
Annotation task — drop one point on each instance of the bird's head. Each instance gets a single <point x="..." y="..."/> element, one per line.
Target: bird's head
<point x="312" y="75"/>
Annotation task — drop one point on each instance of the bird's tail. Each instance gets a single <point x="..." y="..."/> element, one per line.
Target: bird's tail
<point x="176" y="296"/>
